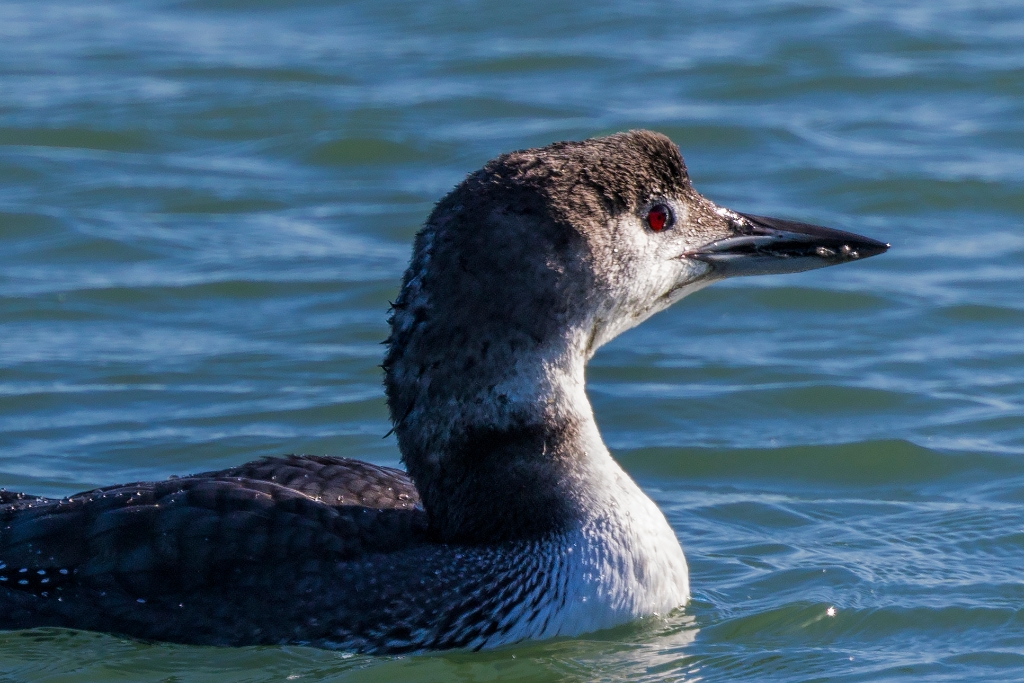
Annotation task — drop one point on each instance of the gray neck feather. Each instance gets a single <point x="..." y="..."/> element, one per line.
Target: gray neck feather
<point x="484" y="372"/>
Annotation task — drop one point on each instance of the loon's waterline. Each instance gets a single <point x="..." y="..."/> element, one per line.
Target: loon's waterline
<point x="514" y="521"/>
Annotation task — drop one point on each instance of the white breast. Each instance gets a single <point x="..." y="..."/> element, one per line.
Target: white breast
<point x="622" y="563"/>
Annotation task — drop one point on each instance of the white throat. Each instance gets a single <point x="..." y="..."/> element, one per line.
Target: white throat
<point x="623" y="561"/>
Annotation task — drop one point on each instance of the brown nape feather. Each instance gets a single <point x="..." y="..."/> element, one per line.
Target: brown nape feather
<point x="621" y="171"/>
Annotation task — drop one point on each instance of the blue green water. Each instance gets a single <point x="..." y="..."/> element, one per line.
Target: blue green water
<point x="206" y="206"/>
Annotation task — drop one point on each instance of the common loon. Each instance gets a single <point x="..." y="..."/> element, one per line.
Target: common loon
<point x="512" y="521"/>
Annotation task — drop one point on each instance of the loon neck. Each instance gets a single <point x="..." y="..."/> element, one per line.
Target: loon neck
<point x="499" y="437"/>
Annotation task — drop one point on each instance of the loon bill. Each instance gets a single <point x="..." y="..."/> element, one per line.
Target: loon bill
<point x="512" y="521"/>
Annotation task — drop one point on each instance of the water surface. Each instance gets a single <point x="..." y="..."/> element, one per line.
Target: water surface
<point x="206" y="206"/>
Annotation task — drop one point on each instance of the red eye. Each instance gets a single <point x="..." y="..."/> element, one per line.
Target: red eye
<point x="659" y="217"/>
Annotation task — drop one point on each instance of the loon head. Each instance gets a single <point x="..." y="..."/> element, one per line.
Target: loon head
<point x="526" y="268"/>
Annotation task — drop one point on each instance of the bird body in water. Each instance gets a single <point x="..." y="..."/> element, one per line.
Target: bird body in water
<point x="512" y="521"/>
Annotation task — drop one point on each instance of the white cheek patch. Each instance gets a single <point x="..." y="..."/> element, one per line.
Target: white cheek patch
<point x="649" y="275"/>
<point x="693" y="276"/>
